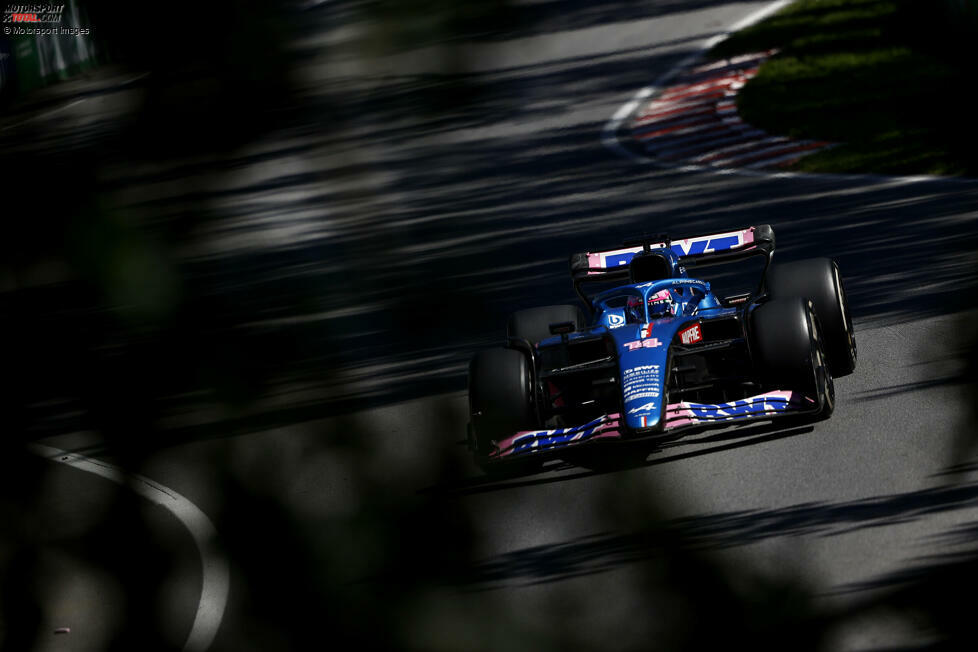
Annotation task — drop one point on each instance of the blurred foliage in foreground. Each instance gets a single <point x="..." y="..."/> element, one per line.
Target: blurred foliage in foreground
<point x="887" y="79"/>
<point x="103" y="322"/>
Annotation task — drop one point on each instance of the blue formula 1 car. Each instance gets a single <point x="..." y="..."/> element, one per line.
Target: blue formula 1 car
<point x="658" y="354"/>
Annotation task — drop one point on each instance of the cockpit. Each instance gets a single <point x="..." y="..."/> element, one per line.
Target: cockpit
<point x="640" y="304"/>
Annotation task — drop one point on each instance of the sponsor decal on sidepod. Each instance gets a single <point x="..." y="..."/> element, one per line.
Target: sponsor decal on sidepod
<point x="691" y="334"/>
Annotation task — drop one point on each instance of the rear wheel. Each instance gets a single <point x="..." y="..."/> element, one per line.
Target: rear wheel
<point x="500" y="398"/>
<point x="533" y="324"/>
<point x="789" y="352"/>
<point x="819" y="280"/>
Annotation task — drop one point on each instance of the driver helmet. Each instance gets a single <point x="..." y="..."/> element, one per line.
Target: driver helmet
<point x="633" y="310"/>
<point x="661" y="304"/>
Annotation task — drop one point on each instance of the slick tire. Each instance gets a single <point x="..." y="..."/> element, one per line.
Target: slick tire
<point x="500" y="398"/>
<point x="819" y="280"/>
<point x="533" y="324"/>
<point x="789" y="351"/>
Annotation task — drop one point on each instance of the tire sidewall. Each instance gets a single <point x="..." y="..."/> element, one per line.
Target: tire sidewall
<point x="500" y="397"/>
<point x="820" y="280"/>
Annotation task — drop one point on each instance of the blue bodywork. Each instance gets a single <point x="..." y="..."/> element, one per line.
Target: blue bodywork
<point x="639" y="369"/>
<point x="643" y="344"/>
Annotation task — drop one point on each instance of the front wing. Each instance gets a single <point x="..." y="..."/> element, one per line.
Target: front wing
<point x="678" y="418"/>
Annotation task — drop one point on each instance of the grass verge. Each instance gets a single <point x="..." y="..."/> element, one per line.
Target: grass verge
<point x="889" y="80"/>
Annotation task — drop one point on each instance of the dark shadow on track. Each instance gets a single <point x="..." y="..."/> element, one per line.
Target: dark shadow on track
<point x="602" y="552"/>
<point x="385" y="289"/>
<point x="906" y="388"/>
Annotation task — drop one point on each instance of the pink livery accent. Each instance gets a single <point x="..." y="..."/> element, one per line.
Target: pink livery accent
<point x="685" y="414"/>
<point x="661" y="295"/>
<point x="713" y="242"/>
<point x="604" y="260"/>
<point x="605" y="427"/>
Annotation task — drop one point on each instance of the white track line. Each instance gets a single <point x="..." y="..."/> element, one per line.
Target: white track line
<point x="749" y="20"/>
<point x="732" y="63"/>
<point x="609" y="134"/>
<point x="214" y="567"/>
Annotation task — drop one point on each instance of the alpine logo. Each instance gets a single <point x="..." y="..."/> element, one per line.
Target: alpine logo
<point x="691" y="334"/>
<point x="648" y="407"/>
<point x="616" y="320"/>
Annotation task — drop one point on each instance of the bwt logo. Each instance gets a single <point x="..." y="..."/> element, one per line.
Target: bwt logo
<point x="758" y="405"/>
<point x="551" y="438"/>
<point x="558" y="437"/>
<point x="691" y="247"/>
<point x="706" y="245"/>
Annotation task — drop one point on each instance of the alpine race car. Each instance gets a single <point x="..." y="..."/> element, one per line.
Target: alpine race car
<point x="658" y="354"/>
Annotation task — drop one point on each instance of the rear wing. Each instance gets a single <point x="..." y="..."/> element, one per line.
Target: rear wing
<point x="612" y="265"/>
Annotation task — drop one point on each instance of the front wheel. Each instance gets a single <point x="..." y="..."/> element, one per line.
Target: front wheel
<point x="789" y="351"/>
<point x="819" y="280"/>
<point x="500" y="398"/>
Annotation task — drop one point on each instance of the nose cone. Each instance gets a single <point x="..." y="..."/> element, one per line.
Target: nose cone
<point x="643" y="351"/>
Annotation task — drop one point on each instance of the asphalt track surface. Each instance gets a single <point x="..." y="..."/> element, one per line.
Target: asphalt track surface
<point x="482" y="209"/>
